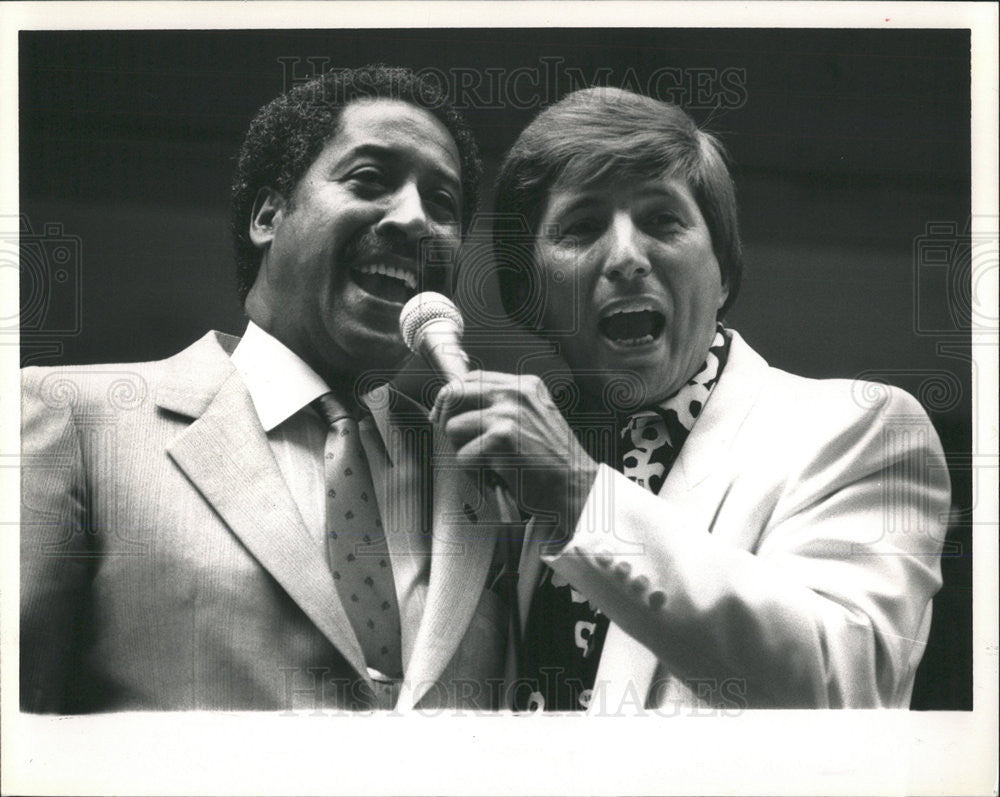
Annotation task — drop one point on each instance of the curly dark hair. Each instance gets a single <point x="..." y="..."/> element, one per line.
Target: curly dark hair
<point x="288" y="133"/>
<point x="597" y="134"/>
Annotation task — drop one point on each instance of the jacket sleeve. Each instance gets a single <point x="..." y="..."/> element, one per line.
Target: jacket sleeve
<point x="54" y="551"/>
<point x="829" y="608"/>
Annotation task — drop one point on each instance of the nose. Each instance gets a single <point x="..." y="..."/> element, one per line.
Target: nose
<point x="626" y="257"/>
<point x="405" y="216"/>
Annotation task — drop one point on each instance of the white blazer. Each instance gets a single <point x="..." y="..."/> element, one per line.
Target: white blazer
<point x="789" y="559"/>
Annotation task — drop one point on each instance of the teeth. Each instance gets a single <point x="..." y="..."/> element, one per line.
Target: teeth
<point x="635" y="341"/>
<point x="631" y="308"/>
<point x="401" y="274"/>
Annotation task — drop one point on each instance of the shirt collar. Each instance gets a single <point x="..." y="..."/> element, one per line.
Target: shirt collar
<point x="680" y="410"/>
<point x="278" y="380"/>
<point x="700" y="386"/>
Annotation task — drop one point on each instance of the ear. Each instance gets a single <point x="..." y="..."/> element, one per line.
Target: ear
<point x="723" y="294"/>
<point x="268" y="209"/>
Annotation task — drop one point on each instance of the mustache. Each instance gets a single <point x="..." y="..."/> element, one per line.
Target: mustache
<point x="370" y="244"/>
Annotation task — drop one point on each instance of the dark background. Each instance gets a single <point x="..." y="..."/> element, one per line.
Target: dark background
<point x="851" y="154"/>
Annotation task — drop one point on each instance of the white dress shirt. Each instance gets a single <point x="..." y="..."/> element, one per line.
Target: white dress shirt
<point x="282" y="387"/>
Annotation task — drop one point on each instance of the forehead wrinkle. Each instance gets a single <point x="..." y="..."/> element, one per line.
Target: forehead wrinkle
<point x="608" y="170"/>
<point x="601" y="192"/>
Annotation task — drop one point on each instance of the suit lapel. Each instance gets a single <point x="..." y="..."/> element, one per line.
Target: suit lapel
<point x="454" y="561"/>
<point x="529" y="571"/>
<point x="226" y="456"/>
<point x="627" y="668"/>
<point x="464" y="540"/>
<point x="704" y="451"/>
<point x="624" y="674"/>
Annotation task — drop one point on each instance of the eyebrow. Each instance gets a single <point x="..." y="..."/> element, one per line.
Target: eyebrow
<point x="391" y="155"/>
<point x="597" y="195"/>
<point x="577" y="202"/>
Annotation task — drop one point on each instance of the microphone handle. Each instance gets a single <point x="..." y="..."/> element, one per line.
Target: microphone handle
<point x="443" y="351"/>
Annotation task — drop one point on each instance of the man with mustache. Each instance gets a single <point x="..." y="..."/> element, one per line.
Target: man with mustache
<point x="250" y="524"/>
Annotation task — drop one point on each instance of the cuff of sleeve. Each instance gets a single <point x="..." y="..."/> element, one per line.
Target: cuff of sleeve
<point x="595" y="532"/>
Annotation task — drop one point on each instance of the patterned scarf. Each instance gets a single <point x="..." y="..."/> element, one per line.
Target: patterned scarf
<point x="565" y="632"/>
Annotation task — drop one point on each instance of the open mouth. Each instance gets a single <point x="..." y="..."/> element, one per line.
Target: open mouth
<point x="391" y="283"/>
<point x="632" y="327"/>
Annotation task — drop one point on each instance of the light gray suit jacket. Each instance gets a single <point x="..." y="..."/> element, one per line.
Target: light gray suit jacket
<point x="165" y="564"/>
<point x="789" y="559"/>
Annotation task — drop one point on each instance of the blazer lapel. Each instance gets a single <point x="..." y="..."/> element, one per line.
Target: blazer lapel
<point x="627" y="668"/>
<point x="226" y="456"/>
<point x="461" y="550"/>
<point x="624" y="675"/>
<point x="704" y="451"/>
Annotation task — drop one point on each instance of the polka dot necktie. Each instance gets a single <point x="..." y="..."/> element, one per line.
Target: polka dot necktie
<point x="355" y="543"/>
<point x="648" y="453"/>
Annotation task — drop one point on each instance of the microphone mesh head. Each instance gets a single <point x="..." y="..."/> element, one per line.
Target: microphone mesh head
<point x="423" y="308"/>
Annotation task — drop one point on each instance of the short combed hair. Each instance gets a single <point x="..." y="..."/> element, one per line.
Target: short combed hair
<point x="599" y="134"/>
<point x="288" y="133"/>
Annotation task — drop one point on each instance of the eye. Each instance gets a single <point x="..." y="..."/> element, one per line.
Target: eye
<point x="663" y="222"/>
<point x="443" y="206"/>
<point x="583" y="227"/>
<point x="369" y="178"/>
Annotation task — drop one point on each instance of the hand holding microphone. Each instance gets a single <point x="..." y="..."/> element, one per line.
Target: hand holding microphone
<point x="432" y="327"/>
<point x="500" y="421"/>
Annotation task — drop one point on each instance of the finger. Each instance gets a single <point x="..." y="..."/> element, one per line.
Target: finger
<point x="459" y="395"/>
<point x="475" y="390"/>
<point x="495" y="378"/>
<point x="462" y="428"/>
<point x="484" y="450"/>
<point x="524" y="384"/>
<point x="525" y="389"/>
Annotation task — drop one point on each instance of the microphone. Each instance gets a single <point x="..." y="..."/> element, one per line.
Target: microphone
<point x="432" y="327"/>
